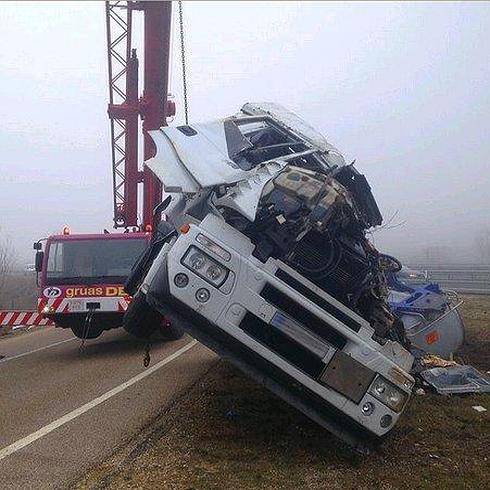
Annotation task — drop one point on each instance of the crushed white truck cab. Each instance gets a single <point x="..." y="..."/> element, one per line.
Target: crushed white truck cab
<point x="264" y="259"/>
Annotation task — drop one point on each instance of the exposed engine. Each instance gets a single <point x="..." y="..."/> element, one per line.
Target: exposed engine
<point x="316" y="224"/>
<point x="291" y="193"/>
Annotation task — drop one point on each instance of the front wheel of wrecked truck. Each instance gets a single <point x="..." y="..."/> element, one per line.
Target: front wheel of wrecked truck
<point x="144" y="322"/>
<point x="170" y="331"/>
<point x="140" y="319"/>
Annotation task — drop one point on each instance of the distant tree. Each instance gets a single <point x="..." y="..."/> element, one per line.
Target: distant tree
<point x="483" y="244"/>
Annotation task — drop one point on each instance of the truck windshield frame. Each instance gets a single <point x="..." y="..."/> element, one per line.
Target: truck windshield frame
<point x="91" y="261"/>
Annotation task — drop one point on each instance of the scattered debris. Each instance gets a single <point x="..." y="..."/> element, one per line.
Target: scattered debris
<point x="429" y="315"/>
<point x="432" y="361"/>
<point x="456" y="379"/>
<point x="420" y="391"/>
<point x="479" y="408"/>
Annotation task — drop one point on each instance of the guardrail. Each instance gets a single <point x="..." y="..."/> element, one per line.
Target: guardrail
<point x="463" y="279"/>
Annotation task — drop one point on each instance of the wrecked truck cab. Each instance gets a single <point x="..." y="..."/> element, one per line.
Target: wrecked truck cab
<point x="272" y="268"/>
<point x="282" y="330"/>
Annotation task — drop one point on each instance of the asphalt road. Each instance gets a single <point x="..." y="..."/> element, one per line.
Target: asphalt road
<point x="62" y="411"/>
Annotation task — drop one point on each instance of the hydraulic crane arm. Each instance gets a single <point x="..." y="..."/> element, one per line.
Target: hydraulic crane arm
<point x="125" y="107"/>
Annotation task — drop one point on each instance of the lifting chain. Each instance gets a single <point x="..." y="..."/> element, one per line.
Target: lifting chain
<point x="182" y="53"/>
<point x="86" y="330"/>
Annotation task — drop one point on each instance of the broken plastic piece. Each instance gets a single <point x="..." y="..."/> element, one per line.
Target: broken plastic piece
<point x="479" y="408"/>
<point x="456" y="379"/>
<point x="432" y="361"/>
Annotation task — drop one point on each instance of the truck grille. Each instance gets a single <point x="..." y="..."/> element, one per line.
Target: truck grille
<point x="281" y="345"/>
<point x="318" y="300"/>
<point x="302" y="316"/>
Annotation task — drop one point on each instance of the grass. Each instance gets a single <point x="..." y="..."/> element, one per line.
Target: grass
<point x="228" y="432"/>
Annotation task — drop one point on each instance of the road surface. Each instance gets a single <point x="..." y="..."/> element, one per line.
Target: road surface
<point x="62" y="411"/>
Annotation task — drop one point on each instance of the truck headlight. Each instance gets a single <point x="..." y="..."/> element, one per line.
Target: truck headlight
<point x="388" y="394"/>
<point x="205" y="267"/>
<point x="196" y="260"/>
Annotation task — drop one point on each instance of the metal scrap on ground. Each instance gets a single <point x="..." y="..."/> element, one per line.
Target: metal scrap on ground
<point x="456" y="379"/>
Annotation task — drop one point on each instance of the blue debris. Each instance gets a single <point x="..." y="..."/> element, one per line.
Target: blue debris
<point x="429" y="315"/>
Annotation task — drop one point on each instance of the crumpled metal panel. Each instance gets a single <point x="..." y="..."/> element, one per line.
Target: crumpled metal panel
<point x="189" y="163"/>
<point x="168" y="167"/>
<point x="245" y="196"/>
<point x="200" y="159"/>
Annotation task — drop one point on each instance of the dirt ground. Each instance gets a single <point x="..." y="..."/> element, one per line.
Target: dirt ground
<point x="228" y="432"/>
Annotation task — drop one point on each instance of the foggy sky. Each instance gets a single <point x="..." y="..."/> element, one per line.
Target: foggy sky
<point x="402" y="88"/>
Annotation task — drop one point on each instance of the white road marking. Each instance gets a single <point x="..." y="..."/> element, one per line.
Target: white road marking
<point x="25" y="441"/>
<point x="7" y="359"/>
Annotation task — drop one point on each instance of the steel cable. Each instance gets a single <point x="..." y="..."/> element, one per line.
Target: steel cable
<point x="182" y="52"/>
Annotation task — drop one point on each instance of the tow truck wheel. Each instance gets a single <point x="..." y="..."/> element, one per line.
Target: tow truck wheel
<point x="79" y="331"/>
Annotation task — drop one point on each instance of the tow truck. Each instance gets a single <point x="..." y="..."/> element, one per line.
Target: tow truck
<point x="82" y="278"/>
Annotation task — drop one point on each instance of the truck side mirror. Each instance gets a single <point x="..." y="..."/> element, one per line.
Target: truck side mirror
<point x="37" y="246"/>
<point x="39" y="260"/>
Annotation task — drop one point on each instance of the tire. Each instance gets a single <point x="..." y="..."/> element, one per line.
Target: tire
<point x="144" y="322"/>
<point x="169" y="331"/>
<point x="79" y="331"/>
<point x="140" y="319"/>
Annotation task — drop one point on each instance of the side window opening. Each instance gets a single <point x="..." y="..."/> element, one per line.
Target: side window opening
<point x="55" y="259"/>
<point x="309" y="162"/>
<point x="266" y="142"/>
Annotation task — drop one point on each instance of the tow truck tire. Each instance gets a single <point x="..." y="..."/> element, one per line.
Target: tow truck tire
<point x="79" y="332"/>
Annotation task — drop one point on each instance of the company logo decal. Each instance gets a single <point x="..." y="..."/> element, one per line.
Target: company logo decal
<point x="52" y="292"/>
<point x="95" y="291"/>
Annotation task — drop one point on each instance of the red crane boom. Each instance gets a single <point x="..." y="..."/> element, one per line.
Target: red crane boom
<point x="125" y="108"/>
